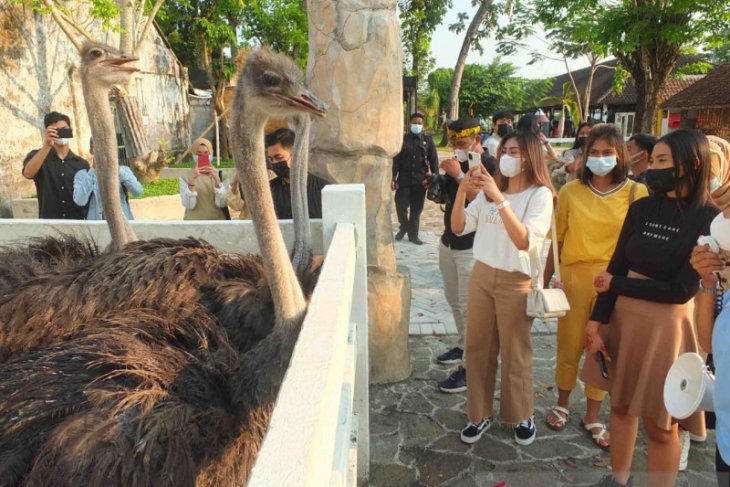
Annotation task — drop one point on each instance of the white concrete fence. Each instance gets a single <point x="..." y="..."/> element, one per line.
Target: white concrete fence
<point x="320" y="427"/>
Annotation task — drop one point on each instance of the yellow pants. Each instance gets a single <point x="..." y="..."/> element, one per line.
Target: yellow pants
<point x="578" y="286"/>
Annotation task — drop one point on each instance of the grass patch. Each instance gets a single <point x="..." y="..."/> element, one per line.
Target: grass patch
<point x="188" y="163"/>
<point x="161" y="187"/>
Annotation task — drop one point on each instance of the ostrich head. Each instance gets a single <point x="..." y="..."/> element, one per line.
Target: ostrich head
<point x="275" y="86"/>
<point x="105" y="66"/>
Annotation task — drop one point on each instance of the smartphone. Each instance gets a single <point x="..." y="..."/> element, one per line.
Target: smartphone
<point x="203" y="160"/>
<point x="602" y="364"/>
<point x="475" y="160"/>
<point x="65" y="133"/>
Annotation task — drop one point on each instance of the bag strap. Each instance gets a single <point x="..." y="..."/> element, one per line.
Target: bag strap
<point x="554" y="245"/>
<point x="536" y="268"/>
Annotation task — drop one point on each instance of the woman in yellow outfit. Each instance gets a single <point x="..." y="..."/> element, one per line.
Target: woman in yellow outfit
<point x="589" y="218"/>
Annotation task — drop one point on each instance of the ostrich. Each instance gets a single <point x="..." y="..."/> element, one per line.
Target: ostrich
<point x="145" y="398"/>
<point x="302" y="253"/>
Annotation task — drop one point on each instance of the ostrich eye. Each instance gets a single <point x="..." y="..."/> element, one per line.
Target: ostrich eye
<point x="96" y="53"/>
<point x="271" y="79"/>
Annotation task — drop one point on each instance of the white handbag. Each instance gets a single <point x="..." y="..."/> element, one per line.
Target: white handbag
<point x="546" y="303"/>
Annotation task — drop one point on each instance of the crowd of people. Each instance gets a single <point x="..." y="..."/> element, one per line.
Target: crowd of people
<point x="67" y="186"/>
<point x="627" y="217"/>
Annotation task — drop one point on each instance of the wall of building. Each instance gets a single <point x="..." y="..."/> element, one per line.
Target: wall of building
<point x="39" y="73"/>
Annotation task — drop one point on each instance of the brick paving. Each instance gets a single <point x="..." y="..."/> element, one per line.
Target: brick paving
<point x="415" y="428"/>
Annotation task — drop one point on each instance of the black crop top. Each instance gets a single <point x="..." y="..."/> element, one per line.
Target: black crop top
<point x="656" y="241"/>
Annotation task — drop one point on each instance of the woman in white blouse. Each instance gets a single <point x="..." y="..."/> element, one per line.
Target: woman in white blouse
<point x="511" y="216"/>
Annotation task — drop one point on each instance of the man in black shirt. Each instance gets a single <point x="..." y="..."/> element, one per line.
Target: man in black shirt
<point x="456" y="258"/>
<point x="412" y="168"/>
<point x="640" y="147"/>
<point x="52" y="168"/>
<point x="279" y="146"/>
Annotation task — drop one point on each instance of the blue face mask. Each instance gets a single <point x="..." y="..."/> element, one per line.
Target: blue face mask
<point x="416" y="128"/>
<point x="600" y="166"/>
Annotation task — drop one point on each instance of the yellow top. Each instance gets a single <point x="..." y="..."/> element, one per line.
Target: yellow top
<point x="589" y="223"/>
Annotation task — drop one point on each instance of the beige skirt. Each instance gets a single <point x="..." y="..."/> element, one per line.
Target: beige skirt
<point x="644" y="338"/>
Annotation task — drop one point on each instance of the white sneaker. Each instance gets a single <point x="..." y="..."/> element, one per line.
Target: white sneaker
<point x="684" y="449"/>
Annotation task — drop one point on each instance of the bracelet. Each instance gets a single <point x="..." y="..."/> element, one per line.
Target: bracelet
<point x="460" y="176"/>
<point x="504" y="204"/>
<point x="707" y="290"/>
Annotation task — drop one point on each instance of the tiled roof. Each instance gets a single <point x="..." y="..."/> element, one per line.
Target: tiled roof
<point x="673" y="86"/>
<point x="711" y="91"/>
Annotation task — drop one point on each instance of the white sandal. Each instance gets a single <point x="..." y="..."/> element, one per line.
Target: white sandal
<point x="562" y="414"/>
<point x="598" y="438"/>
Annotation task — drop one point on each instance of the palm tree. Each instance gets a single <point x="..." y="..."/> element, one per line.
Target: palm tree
<point x="570" y="104"/>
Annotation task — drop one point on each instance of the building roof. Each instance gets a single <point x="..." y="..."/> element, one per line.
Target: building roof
<point x="674" y="85"/>
<point x="712" y="91"/>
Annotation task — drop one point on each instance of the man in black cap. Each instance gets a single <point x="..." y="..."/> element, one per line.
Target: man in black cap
<point x="455" y="253"/>
<point x="412" y="168"/>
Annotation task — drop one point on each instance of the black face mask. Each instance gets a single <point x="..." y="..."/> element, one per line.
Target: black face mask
<point x="504" y="129"/>
<point x="280" y="168"/>
<point x="580" y="142"/>
<point x="660" y="181"/>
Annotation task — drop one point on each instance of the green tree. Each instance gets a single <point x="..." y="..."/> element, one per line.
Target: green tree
<point x="281" y="24"/>
<point x="569" y="102"/>
<point x="419" y="19"/>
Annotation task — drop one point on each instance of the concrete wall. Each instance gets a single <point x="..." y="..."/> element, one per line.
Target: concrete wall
<point x="39" y="73"/>
<point x="154" y="209"/>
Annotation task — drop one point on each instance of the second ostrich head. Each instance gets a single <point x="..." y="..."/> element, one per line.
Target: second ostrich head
<point x="270" y="84"/>
<point x="103" y="67"/>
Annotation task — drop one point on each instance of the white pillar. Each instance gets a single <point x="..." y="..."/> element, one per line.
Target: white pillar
<point x="345" y="203"/>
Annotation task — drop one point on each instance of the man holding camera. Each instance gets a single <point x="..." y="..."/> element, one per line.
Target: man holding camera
<point x="412" y="169"/>
<point x="53" y="168"/>
<point x="455" y="253"/>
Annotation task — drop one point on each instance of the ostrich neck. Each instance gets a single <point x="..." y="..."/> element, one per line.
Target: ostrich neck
<point x="107" y="162"/>
<point x="248" y="131"/>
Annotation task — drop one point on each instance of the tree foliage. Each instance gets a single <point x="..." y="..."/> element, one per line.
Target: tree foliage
<point x="419" y="19"/>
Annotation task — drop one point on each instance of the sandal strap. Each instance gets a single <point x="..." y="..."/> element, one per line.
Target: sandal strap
<point x="561" y="413"/>
<point x="600" y="434"/>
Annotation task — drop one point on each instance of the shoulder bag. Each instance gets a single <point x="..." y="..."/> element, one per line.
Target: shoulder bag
<point x="546" y="303"/>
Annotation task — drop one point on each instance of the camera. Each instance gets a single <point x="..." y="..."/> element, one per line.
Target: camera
<point x="437" y="189"/>
<point x="65" y="133"/>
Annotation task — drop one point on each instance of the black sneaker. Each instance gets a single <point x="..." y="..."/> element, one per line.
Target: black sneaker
<point x="472" y="432"/>
<point x="525" y="431"/>
<point x="416" y="240"/>
<point x="609" y="481"/>
<point x="455" y="383"/>
<point x="400" y="235"/>
<point x="453" y="356"/>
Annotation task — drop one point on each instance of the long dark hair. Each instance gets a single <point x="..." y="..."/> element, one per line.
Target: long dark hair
<point x="577" y="132"/>
<point x="691" y="152"/>
<point x="531" y="149"/>
<point x="612" y="135"/>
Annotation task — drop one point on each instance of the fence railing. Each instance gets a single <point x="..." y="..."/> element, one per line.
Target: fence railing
<point x="319" y="431"/>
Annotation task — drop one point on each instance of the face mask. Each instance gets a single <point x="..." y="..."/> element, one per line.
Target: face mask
<point x="720" y="231"/>
<point x="600" y="166"/>
<point x="281" y="169"/>
<point x="510" y="166"/>
<point x="461" y="155"/>
<point x="633" y="160"/>
<point x="504" y="129"/>
<point x="580" y="142"/>
<point x="62" y="141"/>
<point x="660" y="181"/>
<point x="416" y="129"/>
<point x="715" y="184"/>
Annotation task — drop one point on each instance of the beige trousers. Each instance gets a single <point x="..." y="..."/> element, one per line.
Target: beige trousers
<point x="498" y="327"/>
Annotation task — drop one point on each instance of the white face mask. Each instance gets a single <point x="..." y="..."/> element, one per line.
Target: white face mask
<point x="720" y="231"/>
<point x="600" y="166"/>
<point x="416" y="128"/>
<point x="714" y="184"/>
<point x="461" y="155"/>
<point x="62" y="141"/>
<point x="510" y="166"/>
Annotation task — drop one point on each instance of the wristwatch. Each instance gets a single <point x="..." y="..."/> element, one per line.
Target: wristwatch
<point x="460" y="176"/>
<point x="707" y="290"/>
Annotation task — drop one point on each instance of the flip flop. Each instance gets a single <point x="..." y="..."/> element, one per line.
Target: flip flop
<point x="598" y="438"/>
<point x="561" y="414"/>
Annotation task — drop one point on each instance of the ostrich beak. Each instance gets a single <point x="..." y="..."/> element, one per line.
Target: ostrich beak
<point x="308" y="102"/>
<point x="120" y="61"/>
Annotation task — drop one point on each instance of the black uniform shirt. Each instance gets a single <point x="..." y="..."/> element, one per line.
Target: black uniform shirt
<point x="54" y="184"/>
<point x="417" y="155"/>
<point x="281" y="193"/>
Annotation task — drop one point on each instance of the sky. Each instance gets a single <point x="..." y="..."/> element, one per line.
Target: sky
<point x="445" y="47"/>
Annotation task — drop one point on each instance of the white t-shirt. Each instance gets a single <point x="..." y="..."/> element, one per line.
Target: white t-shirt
<point x="492" y="144"/>
<point x="492" y="244"/>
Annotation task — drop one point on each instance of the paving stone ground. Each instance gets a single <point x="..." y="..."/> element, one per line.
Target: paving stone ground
<point x="415" y="428"/>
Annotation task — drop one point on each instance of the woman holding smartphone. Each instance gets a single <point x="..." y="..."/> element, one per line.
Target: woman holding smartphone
<point x="645" y="310"/>
<point x="511" y="216"/>
<point x="202" y="193"/>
